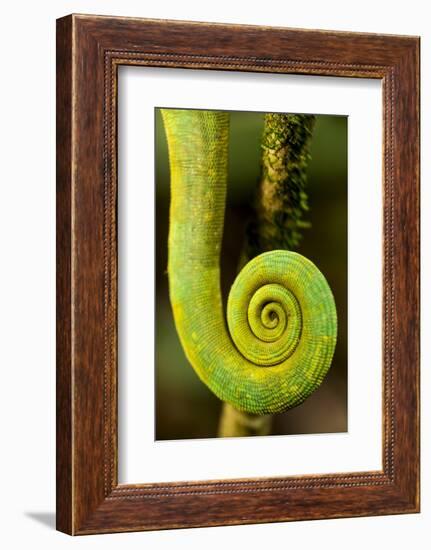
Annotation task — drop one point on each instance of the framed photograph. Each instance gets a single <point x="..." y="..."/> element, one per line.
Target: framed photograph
<point x="237" y="274"/>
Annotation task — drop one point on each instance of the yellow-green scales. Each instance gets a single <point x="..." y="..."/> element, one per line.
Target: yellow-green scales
<point x="276" y="343"/>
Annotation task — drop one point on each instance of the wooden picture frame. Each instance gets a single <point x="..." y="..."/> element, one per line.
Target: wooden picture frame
<point x="89" y="51"/>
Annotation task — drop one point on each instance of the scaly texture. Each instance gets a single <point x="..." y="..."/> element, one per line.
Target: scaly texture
<point x="281" y="312"/>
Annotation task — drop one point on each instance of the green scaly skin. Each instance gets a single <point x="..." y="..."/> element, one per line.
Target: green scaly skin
<point x="281" y="316"/>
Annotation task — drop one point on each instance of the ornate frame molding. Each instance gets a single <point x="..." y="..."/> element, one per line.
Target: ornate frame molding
<point x="90" y="49"/>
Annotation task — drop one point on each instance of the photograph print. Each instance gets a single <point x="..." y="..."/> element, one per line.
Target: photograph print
<point x="251" y="273"/>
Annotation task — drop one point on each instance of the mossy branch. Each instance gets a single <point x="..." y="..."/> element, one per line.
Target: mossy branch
<point x="281" y="199"/>
<point x="278" y="222"/>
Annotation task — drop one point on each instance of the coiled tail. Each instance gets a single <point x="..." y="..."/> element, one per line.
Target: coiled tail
<point x="278" y="342"/>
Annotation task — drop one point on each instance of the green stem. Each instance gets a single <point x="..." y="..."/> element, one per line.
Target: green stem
<point x="235" y="423"/>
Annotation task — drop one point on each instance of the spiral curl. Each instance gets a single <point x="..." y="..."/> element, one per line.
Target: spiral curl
<point x="282" y="324"/>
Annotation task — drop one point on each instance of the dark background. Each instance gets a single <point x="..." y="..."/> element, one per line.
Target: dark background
<point x="185" y="407"/>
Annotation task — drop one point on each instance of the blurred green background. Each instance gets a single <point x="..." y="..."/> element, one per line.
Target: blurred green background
<point x="185" y="407"/>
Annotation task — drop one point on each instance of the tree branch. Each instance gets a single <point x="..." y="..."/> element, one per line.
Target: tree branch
<point x="281" y="202"/>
